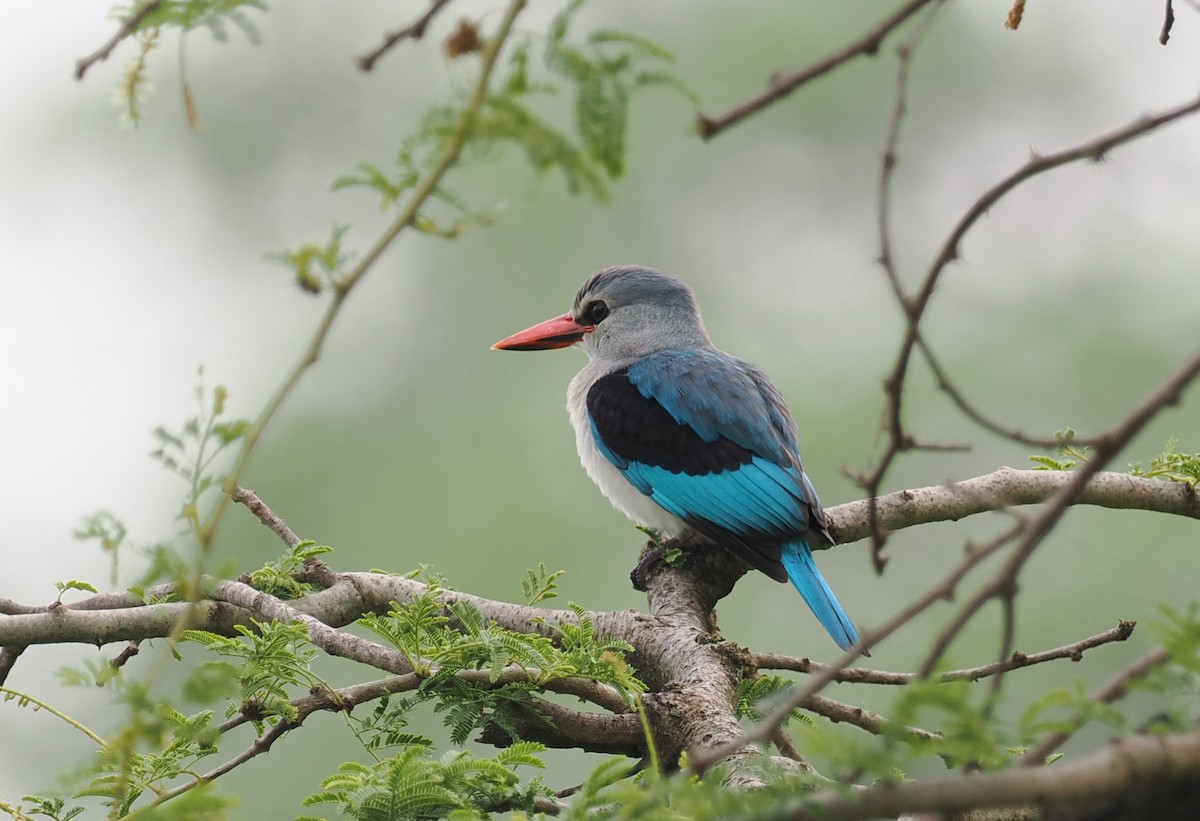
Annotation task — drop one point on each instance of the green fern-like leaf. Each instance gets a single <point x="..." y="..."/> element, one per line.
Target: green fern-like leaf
<point x="1172" y="466"/>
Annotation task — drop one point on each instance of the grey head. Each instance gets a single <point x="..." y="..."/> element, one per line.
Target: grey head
<point x="635" y="311"/>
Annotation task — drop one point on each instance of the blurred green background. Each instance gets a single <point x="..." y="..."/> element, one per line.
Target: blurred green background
<point x="134" y="256"/>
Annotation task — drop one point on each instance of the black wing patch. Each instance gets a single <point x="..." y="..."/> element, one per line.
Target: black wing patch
<point x="638" y="429"/>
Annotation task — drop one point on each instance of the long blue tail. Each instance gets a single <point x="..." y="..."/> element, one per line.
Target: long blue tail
<point x="797" y="560"/>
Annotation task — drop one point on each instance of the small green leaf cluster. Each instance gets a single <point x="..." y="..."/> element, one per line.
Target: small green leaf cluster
<point x="1067" y="456"/>
<point x="1065" y="710"/>
<point x="317" y="266"/>
<point x="441" y="640"/>
<point x="192" y="451"/>
<point x="757" y="695"/>
<point x="540" y="585"/>
<point x="604" y="72"/>
<point x="271" y="658"/>
<point x="278" y="577"/>
<point x="155" y="747"/>
<point x="411" y="785"/>
<point x="181" y="15"/>
<point x="1172" y="466"/>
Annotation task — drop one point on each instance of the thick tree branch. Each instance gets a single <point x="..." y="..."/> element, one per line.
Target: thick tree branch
<point x="1122" y="767"/>
<point x="112" y="617"/>
<point x="1005" y="488"/>
<point x="561" y="727"/>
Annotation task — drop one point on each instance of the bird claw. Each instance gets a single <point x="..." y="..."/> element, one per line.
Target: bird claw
<point x="653" y="553"/>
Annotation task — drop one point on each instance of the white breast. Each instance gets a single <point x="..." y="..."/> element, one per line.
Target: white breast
<point x="624" y="496"/>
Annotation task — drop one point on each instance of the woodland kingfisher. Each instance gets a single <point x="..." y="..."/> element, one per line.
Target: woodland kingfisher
<point x="684" y="438"/>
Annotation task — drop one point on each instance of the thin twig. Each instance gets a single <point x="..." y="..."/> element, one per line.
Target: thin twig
<point x="1168" y="21"/>
<point x="415" y="31"/>
<point x="1030" y="534"/>
<point x="83" y="65"/>
<point x="946" y="386"/>
<point x="265" y="515"/>
<point x="1073" y="651"/>
<point x="887" y="166"/>
<point x="131" y="650"/>
<point x="780" y="87"/>
<point x="915" y="307"/>
<point x="864" y="719"/>
<point x="1003" y="585"/>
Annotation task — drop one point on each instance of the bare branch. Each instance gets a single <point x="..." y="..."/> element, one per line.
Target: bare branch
<point x="1168" y="22"/>
<point x="1073" y="651"/>
<point x="946" y="386"/>
<point x="914" y="307"/>
<point x="127" y="28"/>
<point x="1039" y="526"/>
<point x="887" y="166"/>
<point x="265" y="515"/>
<point x="780" y="87"/>
<point x="873" y="723"/>
<point x="561" y="727"/>
<point x="414" y="31"/>
<point x="332" y="641"/>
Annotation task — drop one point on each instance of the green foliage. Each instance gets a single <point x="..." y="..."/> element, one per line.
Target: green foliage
<point x="54" y="808"/>
<point x="214" y="15"/>
<point x="73" y="584"/>
<point x="1180" y="635"/>
<point x="604" y="72"/>
<point x="156" y="746"/>
<point x="192" y="451"/>
<point x="540" y="585"/>
<point x="969" y="732"/>
<point x="1065" y="710"/>
<point x="410" y="785"/>
<point x="317" y="266"/>
<point x="278" y="577"/>
<point x="440" y="640"/>
<point x="1067" y="454"/>
<point x="756" y="697"/>
<point x="384" y="726"/>
<point x="111" y="533"/>
<point x="272" y="657"/>
<point x="1172" y="466"/>
<point x="217" y="16"/>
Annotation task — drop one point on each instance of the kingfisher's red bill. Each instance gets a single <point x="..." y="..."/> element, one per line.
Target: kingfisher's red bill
<point x="560" y="332"/>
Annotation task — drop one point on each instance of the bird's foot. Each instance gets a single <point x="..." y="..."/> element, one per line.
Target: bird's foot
<point x="654" y="553"/>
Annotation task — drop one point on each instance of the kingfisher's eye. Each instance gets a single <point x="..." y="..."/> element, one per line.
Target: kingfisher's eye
<point x="595" y="312"/>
